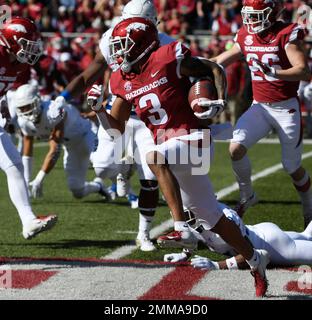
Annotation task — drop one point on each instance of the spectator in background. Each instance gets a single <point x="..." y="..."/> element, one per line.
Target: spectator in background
<point x="89" y="54"/>
<point x="48" y="77"/>
<point x="66" y="21"/>
<point x="195" y="48"/>
<point x="34" y="10"/>
<point x="69" y="4"/>
<point x="68" y="67"/>
<point x="104" y="9"/>
<point x="224" y="25"/>
<point x="174" y="24"/>
<point x="204" y="8"/>
<point x="187" y="12"/>
<point x="55" y="46"/>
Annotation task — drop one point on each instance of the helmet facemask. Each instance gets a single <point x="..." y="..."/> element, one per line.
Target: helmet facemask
<point x="256" y="21"/>
<point x="120" y="48"/>
<point x="120" y="52"/>
<point x="30" y="51"/>
<point x="31" y="111"/>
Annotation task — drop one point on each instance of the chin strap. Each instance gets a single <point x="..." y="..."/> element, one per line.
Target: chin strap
<point x="126" y="65"/>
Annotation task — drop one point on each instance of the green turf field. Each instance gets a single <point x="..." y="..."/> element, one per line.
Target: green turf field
<point x="92" y="228"/>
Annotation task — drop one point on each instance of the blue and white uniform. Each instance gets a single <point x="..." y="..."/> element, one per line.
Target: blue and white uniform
<point x="284" y="247"/>
<point x="78" y="143"/>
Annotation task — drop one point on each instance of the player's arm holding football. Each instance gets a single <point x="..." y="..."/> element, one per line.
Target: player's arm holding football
<point x="55" y="147"/>
<point x="194" y="67"/>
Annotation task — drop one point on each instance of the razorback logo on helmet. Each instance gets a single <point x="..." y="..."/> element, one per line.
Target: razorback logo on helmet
<point x="136" y="26"/>
<point x="17" y="28"/>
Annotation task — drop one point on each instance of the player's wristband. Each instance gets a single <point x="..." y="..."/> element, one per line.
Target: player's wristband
<point x="231" y="263"/>
<point x="66" y="94"/>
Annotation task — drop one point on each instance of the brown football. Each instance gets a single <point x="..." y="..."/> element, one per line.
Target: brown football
<point x="202" y="89"/>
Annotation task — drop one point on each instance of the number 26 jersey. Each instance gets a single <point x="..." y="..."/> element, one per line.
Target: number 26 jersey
<point x="270" y="48"/>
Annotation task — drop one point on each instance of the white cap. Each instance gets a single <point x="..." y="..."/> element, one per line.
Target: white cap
<point x="65" y="56"/>
<point x="140" y="8"/>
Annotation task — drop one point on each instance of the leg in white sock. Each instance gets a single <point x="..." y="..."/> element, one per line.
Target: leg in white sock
<point x="302" y="183"/>
<point x="242" y="169"/>
<point x="18" y="193"/>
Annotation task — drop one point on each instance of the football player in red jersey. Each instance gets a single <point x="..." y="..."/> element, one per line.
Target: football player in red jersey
<point x="20" y="44"/>
<point x="274" y="52"/>
<point x="155" y="80"/>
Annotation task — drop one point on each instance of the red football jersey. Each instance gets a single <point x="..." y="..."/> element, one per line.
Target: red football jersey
<point x="159" y="93"/>
<point x="270" y="49"/>
<point x="8" y="71"/>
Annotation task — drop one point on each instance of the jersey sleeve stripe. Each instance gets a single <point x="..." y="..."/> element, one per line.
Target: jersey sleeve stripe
<point x="294" y="34"/>
<point x="179" y="56"/>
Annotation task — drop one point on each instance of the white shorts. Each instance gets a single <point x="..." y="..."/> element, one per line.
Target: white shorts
<point x="196" y="190"/>
<point x="140" y="140"/>
<point x="284" y="117"/>
<point x="132" y="145"/>
<point x="76" y="160"/>
<point x="9" y="155"/>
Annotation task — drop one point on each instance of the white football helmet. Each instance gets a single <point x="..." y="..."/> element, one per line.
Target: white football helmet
<point x="140" y="8"/>
<point x="27" y="102"/>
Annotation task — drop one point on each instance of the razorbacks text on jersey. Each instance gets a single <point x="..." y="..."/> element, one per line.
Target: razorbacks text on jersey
<point x="9" y="71"/>
<point x="74" y="128"/>
<point x="159" y="93"/>
<point x="270" y="48"/>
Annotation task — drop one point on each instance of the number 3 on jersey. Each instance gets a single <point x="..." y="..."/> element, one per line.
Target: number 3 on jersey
<point x="265" y="59"/>
<point x="158" y="114"/>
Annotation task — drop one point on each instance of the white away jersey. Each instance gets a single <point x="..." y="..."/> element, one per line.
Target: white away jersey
<point x="74" y="128"/>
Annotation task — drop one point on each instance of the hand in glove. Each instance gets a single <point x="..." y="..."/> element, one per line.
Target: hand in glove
<point x="95" y="97"/>
<point x="175" y="257"/>
<point x="36" y="185"/>
<point x="204" y="263"/>
<point x="264" y="68"/>
<point x="56" y="110"/>
<point x="214" y="108"/>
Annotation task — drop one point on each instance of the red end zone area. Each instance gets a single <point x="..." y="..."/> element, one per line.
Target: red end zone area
<point x="68" y="279"/>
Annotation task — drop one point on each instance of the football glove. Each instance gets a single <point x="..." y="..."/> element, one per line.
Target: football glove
<point x="204" y="263"/>
<point x="175" y="257"/>
<point x="95" y="97"/>
<point x="264" y="68"/>
<point x="36" y="185"/>
<point x="56" y="111"/>
<point x="214" y="108"/>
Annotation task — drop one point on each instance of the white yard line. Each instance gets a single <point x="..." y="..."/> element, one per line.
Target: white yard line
<point x="268" y="141"/>
<point x="155" y="232"/>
